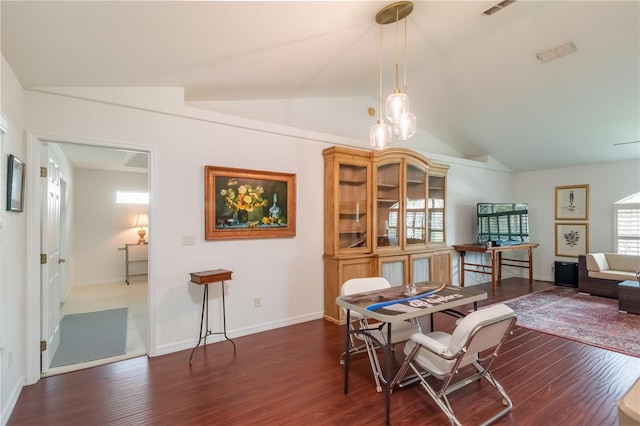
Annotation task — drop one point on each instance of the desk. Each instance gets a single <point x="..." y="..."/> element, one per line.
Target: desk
<point x="205" y="278"/>
<point x="495" y="269"/>
<point x="448" y="298"/>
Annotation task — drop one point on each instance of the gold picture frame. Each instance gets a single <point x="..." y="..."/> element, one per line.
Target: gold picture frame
<point x="572" y="202"/>
<point x="241" y="203"/>
<point x="572" y="239"/>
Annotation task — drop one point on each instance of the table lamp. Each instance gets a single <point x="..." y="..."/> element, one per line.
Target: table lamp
<point x="142" y="220"/>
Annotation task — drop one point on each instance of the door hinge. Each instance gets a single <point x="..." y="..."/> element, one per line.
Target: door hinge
<point x="43" y="172"/>
<point x="43" y="345"/>
<point x="43" y="259"/>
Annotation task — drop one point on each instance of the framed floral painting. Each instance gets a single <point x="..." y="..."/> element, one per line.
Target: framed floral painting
<point x="572" y="239"/>
<point x="572" y="202"/>
<point x="242" y="203"/>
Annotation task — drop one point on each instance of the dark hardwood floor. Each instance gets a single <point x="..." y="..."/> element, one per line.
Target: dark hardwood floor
<point x="291" y="376"/>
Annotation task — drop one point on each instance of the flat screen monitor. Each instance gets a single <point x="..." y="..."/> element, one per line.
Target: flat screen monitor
<point x="503" y="223"/>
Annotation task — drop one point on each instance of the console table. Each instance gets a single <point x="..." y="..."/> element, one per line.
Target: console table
<point x="135" y="254"/>
<point x="497" y="261"/>
<point x="205" y="278"/>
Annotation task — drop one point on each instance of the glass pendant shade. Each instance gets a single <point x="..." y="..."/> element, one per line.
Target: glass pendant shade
<point x="405" y="128"/>
<point x="380" y="135"/>
<point x="396" y="106"/>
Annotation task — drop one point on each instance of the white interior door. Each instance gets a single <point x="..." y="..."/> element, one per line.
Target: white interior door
<point x="3" y="130"/>
<point x="50" y="248"/>
<point x="65" y="291"/>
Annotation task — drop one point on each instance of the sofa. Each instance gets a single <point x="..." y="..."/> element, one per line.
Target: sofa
<point x="600" y="273"/>
<point x="629" y="407"/>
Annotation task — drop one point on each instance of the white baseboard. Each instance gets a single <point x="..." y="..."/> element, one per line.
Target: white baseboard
<point x="11" y="401"/>
<point x="189" y="344"/>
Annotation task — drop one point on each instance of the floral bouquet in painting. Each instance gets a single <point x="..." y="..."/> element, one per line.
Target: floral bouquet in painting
<point x="243" y="199"/>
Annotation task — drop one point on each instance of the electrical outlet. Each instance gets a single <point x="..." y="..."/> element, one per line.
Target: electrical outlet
<point x="257" y="302"/>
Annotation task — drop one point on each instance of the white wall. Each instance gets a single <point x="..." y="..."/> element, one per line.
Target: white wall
<point x="286" y="273"/>
<point x="13" y="281"/>
<point x="608" y="183"/>
<point x="467" y="185"/>
<point x="101" y="226"/>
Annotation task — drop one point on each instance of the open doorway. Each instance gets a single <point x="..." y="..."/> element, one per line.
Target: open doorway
<point x="96" y="314"/>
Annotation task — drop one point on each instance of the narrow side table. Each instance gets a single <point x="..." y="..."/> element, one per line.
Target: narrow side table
<point x="205" y="278"/>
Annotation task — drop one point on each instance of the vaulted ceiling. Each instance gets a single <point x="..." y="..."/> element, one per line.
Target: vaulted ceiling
<point x="474" y="81"/>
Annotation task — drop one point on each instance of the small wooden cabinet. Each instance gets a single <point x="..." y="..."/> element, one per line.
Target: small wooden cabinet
<point x="384" y="216"/>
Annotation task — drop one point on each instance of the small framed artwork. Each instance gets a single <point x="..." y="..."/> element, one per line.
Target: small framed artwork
<point x="15" y="184"/>
<point x="572" y="239"/>
<point x="241" y="203"/>
<point x="572" y="202"/>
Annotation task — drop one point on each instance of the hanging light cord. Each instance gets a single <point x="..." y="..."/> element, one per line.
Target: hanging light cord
<point x="380" y="83"/>
<point x="405" y="55"/>
<point x="397" y="31"/>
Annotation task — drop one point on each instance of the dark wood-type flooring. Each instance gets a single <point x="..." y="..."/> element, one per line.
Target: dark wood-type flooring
<point x="291" y="376"/>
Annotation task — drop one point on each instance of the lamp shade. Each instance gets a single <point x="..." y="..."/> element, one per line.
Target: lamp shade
<point x="380" y="135"/>
<point x="396" y="106"/>
<point x="142" y="220"/>
<point x="405" y="128"/>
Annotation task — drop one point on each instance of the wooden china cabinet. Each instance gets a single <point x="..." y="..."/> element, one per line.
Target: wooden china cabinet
<point x="384" y="216"/>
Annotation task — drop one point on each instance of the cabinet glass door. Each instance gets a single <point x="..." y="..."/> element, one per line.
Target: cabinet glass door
<point x="416" y="206"/>
<point x="388" y="222"/>
<point x="352" y="206"/>
<point x="436" y="209"/>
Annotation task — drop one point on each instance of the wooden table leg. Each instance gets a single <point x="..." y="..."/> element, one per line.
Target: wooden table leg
<point x="493" y="270"/>
<point x="462" y="268"/>
<point x="530" y="266"/>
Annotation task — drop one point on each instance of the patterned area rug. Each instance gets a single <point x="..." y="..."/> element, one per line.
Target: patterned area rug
<point x="592" y="320"/>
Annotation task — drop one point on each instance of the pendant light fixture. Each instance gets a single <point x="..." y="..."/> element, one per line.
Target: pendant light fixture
<point x="397" y="104"/>
<point x="380" y="134"/>
<point x="405" y="128"/>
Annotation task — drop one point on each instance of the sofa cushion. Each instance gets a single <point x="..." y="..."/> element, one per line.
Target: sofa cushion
<point x="612" y="274"/>
<point x="623" y="262"/>
<point x="597" y="262"/>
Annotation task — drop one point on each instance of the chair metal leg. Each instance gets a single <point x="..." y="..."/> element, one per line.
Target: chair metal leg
<point x="369" y="347"/>
<point x="440" y="397"/>
<point x="374" y="362"/>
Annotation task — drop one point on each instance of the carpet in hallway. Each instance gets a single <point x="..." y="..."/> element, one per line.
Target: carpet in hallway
<point x="90" y="336"/>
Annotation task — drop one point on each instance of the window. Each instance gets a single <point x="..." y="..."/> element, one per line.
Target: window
<point x="503" y="221"/>
<point x="626" y="226"/>
<point x="415" y="225"/>
<point x="132" y="197"/>
<point x="436" y="220"/>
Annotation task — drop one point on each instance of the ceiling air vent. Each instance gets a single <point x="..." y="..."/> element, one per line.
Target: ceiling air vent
<point x="556" y="52"/>
<point x="497" y="7"/>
